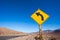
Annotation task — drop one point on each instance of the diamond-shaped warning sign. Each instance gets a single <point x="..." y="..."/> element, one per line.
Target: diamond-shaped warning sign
<point x="39" y="16"/>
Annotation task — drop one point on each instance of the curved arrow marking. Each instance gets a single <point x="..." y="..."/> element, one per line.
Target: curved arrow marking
<point x="38" y="14"/>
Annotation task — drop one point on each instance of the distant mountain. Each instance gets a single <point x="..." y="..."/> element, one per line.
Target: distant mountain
<point x="6" y="31"/>
<point x="57" y="31"/>
<point x="45" y="31"/>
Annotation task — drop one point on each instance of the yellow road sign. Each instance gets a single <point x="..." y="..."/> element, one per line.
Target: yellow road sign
<point x="39" y="16"/>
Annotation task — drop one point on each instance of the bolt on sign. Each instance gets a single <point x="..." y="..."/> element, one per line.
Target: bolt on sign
<point x="39" y="16"/>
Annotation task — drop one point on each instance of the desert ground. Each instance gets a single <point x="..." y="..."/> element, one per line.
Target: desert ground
<point x="7" y="34"/>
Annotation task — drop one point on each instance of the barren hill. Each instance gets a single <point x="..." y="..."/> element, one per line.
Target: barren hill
<point x="5" y="31"/>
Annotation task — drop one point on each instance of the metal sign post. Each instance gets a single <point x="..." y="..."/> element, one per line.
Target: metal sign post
<point x="40" y="33"/>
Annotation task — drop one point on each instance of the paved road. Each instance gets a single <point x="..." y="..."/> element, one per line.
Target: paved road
<point x="10" y="37"/>
<point x="29" y="37"/>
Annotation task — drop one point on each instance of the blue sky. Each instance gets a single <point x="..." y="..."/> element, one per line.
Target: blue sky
<point x="15" y="14"/>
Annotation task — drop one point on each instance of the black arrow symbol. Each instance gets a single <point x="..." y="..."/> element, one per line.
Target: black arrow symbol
<point x="38" y="14"/>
